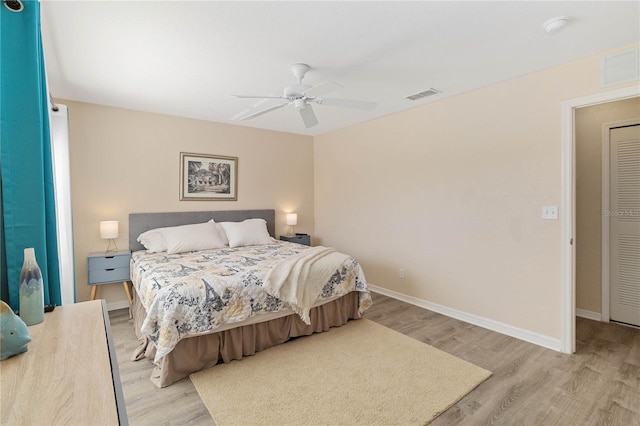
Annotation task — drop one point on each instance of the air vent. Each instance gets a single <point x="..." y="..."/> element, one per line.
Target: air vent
<point x="621" y="67"/>
<point x="420" y="95"/>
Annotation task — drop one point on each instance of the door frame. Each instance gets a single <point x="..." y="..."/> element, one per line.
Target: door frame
<point x="606" y="246"/>
<point x="567" y="206"/>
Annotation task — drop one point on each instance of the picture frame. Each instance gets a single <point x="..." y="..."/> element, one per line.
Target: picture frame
<point x="205" y="177"/>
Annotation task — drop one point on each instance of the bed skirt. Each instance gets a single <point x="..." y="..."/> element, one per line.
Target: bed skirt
<point x="196" y="353"/>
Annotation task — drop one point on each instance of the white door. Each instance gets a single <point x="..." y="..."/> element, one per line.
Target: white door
<point x="624" y="225"/>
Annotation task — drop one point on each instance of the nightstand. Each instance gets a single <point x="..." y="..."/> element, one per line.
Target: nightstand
<point x="106" y="268"/>
<point x="304" y="239"/>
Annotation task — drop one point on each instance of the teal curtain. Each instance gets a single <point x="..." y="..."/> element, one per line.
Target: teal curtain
<point x="28" y="203"/>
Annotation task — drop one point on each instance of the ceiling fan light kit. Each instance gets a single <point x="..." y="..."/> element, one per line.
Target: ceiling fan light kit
<point x="299" y="71"/>
<point x="302" y="95"/>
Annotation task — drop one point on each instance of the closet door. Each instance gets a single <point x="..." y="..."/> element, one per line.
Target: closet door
<point x="624" y="225"/>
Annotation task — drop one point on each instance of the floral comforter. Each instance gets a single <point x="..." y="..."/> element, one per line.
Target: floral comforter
<point x="191" y="294"/>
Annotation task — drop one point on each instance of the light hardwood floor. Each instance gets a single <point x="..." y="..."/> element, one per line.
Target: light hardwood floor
<point x="531" y="385"/>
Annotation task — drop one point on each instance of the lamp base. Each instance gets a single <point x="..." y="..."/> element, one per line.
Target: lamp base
<point x="109" y="248"/>
<point x="290" y="231"/>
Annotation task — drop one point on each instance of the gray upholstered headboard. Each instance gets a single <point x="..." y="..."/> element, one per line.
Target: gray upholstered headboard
<point x="141" y="222"/>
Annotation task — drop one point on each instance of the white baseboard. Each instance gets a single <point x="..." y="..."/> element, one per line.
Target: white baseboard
<point x="120" y="304"/>
<point x="583" y="313"/>
<point x="518" y="333"/>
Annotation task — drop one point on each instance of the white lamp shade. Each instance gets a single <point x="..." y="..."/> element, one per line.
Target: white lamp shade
<point x="108" y="229"/>
<point x="292" y="219"/>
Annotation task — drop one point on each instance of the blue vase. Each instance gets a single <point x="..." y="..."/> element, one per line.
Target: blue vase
<point x="31" y="290"/>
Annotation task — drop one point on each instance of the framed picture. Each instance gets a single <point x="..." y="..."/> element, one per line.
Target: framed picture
<point x="208" y="177"/>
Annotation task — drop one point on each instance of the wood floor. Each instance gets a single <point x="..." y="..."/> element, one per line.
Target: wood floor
<point x="531" y="385"/>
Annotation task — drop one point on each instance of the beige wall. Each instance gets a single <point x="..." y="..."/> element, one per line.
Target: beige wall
<point x="589" y="123"/>
<point x="452" y="192"/>
<point x="124" y="161"/>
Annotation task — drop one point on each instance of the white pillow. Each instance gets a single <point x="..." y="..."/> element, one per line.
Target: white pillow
<point x="199" y="236"/>
<point x="251" y="232"/>
<point x="153" y="240"/>
<point x="221" y="233"/>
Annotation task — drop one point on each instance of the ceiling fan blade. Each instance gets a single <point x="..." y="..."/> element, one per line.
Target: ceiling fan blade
<point x="264" y="111"/>
<point x="258" y="97"/>
<point x="308" y="116"/>
<point x="348" y="103"/>
<point x="323" y="88"/>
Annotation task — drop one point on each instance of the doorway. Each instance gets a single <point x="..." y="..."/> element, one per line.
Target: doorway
<point x="568" y="206"/>
<point x="592" y="129"/>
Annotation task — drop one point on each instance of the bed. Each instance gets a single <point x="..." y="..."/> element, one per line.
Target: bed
<point x="193" y="309"/>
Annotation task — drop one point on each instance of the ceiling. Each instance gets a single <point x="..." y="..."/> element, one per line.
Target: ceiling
<point x="187" y="58"/>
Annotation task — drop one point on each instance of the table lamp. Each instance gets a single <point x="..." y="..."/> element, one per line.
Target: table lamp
<point x="292" y="220"/>
<point x="109" y="231"/>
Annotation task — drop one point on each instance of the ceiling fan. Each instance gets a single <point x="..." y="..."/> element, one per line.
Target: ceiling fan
<point x="302" y="95"/>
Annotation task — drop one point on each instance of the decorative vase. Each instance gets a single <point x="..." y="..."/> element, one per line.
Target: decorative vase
<point x="31" y="290"/>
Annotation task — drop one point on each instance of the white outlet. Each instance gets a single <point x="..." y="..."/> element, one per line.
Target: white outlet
<point x="550" y="212"/>
<point x="401" y="272"/>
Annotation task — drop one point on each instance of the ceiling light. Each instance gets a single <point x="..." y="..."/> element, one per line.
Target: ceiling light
<point x="554" y="25"/>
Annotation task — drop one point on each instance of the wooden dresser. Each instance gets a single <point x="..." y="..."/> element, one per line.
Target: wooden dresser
<point x="68" y="376"/>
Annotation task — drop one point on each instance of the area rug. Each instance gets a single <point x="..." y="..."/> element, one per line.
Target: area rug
<point x="360" y="373"/>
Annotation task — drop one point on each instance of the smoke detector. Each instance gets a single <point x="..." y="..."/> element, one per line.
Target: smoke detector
<point x="554" y="25"/>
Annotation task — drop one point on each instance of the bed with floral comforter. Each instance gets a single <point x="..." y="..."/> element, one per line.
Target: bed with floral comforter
<point x="197" y="293"/>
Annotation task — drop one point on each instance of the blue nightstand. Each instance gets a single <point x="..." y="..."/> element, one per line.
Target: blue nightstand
<point x="304" y="239"/>
<point x="106" y="268"/>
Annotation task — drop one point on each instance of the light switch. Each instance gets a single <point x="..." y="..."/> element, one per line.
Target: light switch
<point x="550" y="212"/>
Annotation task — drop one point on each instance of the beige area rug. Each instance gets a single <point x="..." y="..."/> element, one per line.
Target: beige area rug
<point x="360" y="373"/>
